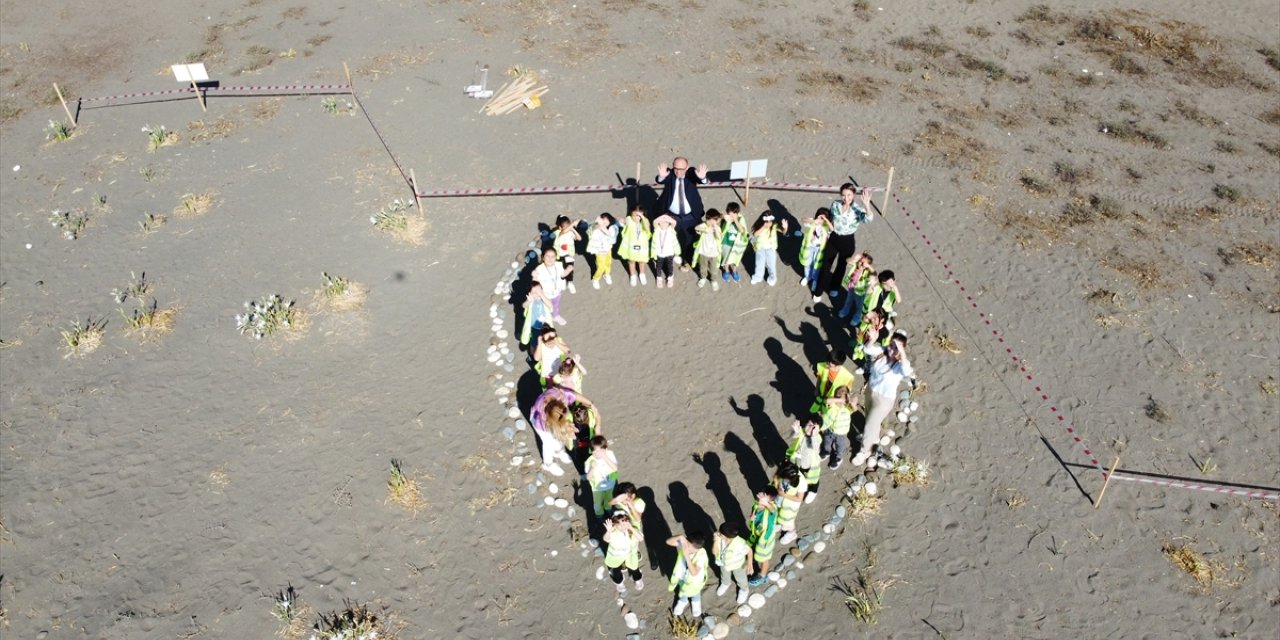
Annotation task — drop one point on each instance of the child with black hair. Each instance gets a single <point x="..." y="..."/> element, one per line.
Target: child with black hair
<point x="623" y="551"/>
<point x="733" y="242"/>
<point x="805" y="453"/>
<point x="831" y="375"/>
<point x="882" y="296"/>
<point x="816" y="231"/>
<point x="626" y="501"/>
<point x="764" y="235"/>
<point x="604" y="234"/>
<point x="733" y="556"/>
<point x="791" y="489"/>
<point x="634" y="249"/>
<point x="565" y="239"/>
<point x="602" y="474"/>
<point x="763" y="530"/>
<point x="666" y="246"/>
<point x="707" y="249"/>
<point x="689" y="575"/>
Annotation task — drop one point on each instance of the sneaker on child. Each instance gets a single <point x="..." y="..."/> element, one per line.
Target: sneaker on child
<point x="723" y="589"/>
<point x="608" y="279"/>
<point x="595" y="284"/>
<point x="702" y="282"/>
<point x="572" y="289"/>
<point x="633" y="281"/>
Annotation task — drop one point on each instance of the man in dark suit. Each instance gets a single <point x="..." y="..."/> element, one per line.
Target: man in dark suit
<point x="680" y="198"/>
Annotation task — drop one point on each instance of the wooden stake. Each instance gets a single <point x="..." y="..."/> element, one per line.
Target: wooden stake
<point x="64" y="105"/>
<point x="417" y="199"/>
<point x="350" y="87"/>
<point x="1106" y="482"/>
<point x="637" y="183"/>
<point x="199" y="96"/>
<point x="746" y="197"/>
<point x="888" y="186"/>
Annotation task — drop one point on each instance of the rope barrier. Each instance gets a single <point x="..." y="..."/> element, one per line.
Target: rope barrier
<point x="1071" y="431"/>
<point x="302" y="89"/>
<point x="604" y="188"/>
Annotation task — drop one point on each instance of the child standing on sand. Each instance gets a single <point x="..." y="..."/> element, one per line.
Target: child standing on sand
<point x="837" y="418"/>
<point x="626" y="501"/>
<point x="565" y="239"/>
<point x="689" y="576"/>
<point x="586" y="423"/>
<point x="733" y="242"/>
<point x="805" y="453"/>
<point x="763" y="532"/>
<point x="831" y="376"/>
<point x="634" y="249"/>
<point x="707" y="249"/>
<point x="604" y="234"/>
<point x="764" y="235"/>
<point x="569" y="374"/>
<point x="623" y="551"/>
<point x="791" y="489"/>
<point x="551" y="275"/>
<point x="816" y="232"/>
<point x="602" y="474"/>
<point x="733" y="555"/>
<point x="537" y="314"/>
<point x="665" y="246"/>
<point x="882" y="296"/>
<point x="858" y="277"/>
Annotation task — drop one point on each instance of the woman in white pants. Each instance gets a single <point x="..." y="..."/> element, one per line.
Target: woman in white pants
<point x="887" y="367"/>
<point x="553" y="422"/>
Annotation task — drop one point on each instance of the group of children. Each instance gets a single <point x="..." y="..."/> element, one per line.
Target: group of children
<point x="566" y="421"/>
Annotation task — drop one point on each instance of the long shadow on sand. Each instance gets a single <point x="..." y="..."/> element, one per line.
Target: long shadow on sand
<point x="691" y="516"/>
<point x="718" y="483"/>
<point x="656" y="531"/>
<point x="772" y="446"/>
<point x="793" y="383"/>
<point x="748" y="462"/>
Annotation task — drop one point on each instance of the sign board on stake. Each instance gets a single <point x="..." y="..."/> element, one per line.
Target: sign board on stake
<point x="745" y="170"/>
<point x="194" y="74"/>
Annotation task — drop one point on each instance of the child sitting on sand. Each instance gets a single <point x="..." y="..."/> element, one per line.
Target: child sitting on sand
<point x="604" y="234"/>
<point x="636" y="234"/>
<point x="602" y="474"/>
<point x="733" y="556"/>
<point x="565" y="239"/>
<point x="689" y="576"/>
<point x="665" y="246"/>
<point x="707" y="249"/>
<point x="733" y="242"/>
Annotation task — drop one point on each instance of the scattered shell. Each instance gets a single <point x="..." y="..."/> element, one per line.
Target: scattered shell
<point x="756" y="601"/>
<point x="516" y="460"/>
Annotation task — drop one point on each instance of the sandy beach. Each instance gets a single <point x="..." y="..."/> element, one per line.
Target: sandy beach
<point x="1083" y="222"/>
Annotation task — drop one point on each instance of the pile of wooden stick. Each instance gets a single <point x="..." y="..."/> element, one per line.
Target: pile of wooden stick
<point x="514" y="94"/>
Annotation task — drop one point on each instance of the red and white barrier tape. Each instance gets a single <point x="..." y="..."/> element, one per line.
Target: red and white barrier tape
<point x="601" y="188"/>
<point x="274" y="87"/>
<point x="1201" y="486"/>
<point x="1044" y="397"/>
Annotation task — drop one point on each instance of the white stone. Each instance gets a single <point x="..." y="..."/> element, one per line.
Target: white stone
<point x="884" y="441"/>
<point x="756" y="601"/>
<point x="548" y="500"/>
<point x="895" y="451"/>
<point x="827" y="528"/>
<point x="745" y="611"/>
<point x="720" y="631"/>
<point x="869" y="488"/>
<point x="553" y="489"/>
<point x="902" y="416"/>
<point x="561" y="503"/>
<point x="782" y="583"/>
<point x="516" y="460"/>
<point x="891" y="433"/>
<point x="599" y="573"/>
<point x="915" y="406"/>
<point x="513" y="412"/>
<point x="773" y="576"/>
<point x="502" y="334"/>
<point x="819" y="546"/>
<point x="632" y="620"/>
<point x="554" y="553"/>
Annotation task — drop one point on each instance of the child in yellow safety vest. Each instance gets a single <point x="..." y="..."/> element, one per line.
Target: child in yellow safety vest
<point x="733" y="243"/>
<point x="882" y="296"/>
<point x="837" y="417"/>
<point x="733" y="556"/>
<point x="858" y="278"/>
<point x="816" y="232"/>
<point x="791" y="489"/>
<point x="689" y="576"/>
<point x="602" y="474"/>
<point x="707" y="250"/>
<point x="634" y="248"/>
<point x="763" y="532"/>
<point x="627" y="502"/>
<point x="832" y="376"/>
<point x="764" y="237"/>
<point x="805" y="453"/>
<point x="623" y="551"/>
